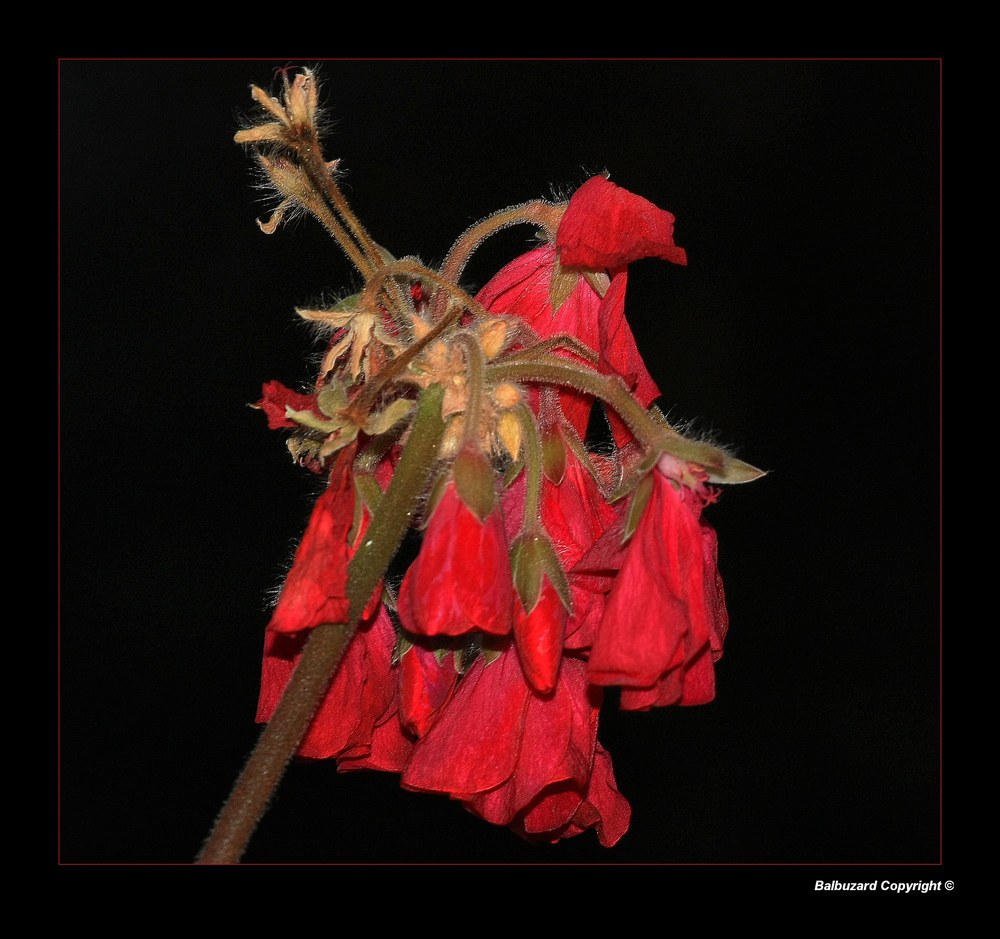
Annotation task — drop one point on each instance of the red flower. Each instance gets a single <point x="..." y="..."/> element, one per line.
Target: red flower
<point x="461" y="579"/>
<point x="607" y="227"/>
<point x="604" y="227"/>
<point x="514" y="757"/>
<point x="357" y="720"/>
<point x="315" y="590"/>
<point x="558" y="814"/>
<point x="664" y="618"/>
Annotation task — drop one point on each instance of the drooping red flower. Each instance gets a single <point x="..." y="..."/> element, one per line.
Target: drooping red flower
<point x="558" y="814"/>
<point x="663" y="612"/>
<point x="356" y="721"/>
<point x="515" y="757"/>
<point x="460" y="580"/>
<point x="606" y="227"/>
<point x="315" y="590"/>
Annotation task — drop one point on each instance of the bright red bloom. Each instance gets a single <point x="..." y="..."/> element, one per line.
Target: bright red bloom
<point x="664" y="612"/>
<point x="606" y="227"/>
<point x="356" y="721"/>
<point x="558" y="814"/>
<point x="461" y="579"/>
<point x="514" y="757"/>
<point x="315" y="590"/>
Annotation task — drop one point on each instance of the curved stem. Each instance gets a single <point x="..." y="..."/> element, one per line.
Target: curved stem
<point x="537" y="212"/>
<point x="328" y="642"/>
<point x="362" y="405"/>
<point x="610" y="389"/>
<point x="475" y="365"/>
<point x="532" y="449"/>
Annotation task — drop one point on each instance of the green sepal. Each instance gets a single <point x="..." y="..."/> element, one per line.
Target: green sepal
<point x="511" y="473"/>
<point x="384" y="421"/>
<point x="639" y="501"/>
<point x="532" y="557"/>
<point x="368" y="490"/>
<point x="403" y="645"/>
<point x="475" y="481"/>
<point x="336" y="441"/>
<point x="491" y="648"/>
<point x="467" y="652"/>
<point x="564" y="281"/>
<point x="333" y="398"/>
<point x="553" y="569"/>
<point x="553" y="455"/>
<point x="526" y="570"/>
<point x="310" y="420"/>
<point x="437" y="488"/>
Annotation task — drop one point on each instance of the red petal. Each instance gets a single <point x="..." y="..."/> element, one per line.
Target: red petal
<point x="475" y="743"/>
<point x="655" y="619"/>
<point x="620" y="355"/>
<point x="362" y="693"/>
<point x="607" y="227"/>
<point x="557" y="745"/>
<point x="315" y="590"/>
<point x="425" y="686"/>
<point x="461" y="580"/>
<point x="276" y="397"/>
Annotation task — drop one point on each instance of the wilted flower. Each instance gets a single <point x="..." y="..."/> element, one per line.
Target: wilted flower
<point x="544" y="572"/>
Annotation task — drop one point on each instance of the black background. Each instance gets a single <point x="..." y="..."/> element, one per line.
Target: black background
<point x="805" y="331"/>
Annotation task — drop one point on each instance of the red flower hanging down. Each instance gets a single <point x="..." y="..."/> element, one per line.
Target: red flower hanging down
<point x="514" y="736"/>
<point x="461" y="579"/>
<point x="604" y="227"/>
<point x="315" y="590"/>
<point x="514" y="757"/>
<point x="665" y="617"/>
<point x="357" y="722"/>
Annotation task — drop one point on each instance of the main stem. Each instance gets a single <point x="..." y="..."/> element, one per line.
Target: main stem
<point x="326" y="646"/>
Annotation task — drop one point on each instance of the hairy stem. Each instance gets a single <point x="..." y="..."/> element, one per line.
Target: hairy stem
<point x="532" y="449"/>
<point x="538" y="212"/>
<point x="475" y="365"/>
<point x="649" y="432"/>
<point x="328" y="642"/>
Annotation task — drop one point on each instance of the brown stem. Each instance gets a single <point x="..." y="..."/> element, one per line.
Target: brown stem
<point x="538" y="213"/>
<point x="325" y="647"/>
<point x="322" y="180"/>
<point x="277" y="745"/>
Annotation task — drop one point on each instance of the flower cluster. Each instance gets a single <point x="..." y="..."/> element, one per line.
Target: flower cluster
<point x="545" y="572"/>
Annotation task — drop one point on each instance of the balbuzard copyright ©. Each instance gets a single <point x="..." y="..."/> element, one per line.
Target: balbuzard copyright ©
<point x="890" y="886"/>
